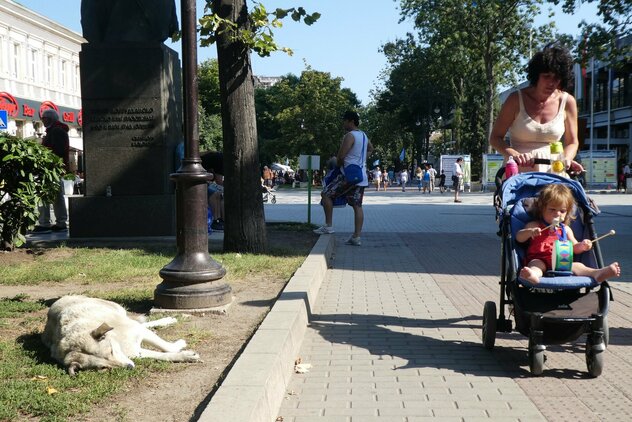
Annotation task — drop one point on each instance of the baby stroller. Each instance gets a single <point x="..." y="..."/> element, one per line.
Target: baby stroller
<point x="563" y="307"/>
<point x="268" y="195"/>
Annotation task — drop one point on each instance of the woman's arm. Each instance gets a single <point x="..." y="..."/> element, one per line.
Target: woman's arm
<point x="506" y="116"/>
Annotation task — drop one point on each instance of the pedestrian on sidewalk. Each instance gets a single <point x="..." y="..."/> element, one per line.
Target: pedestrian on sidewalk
<point x="57" y="140"/>
<point x="425" y="182"/>
<point x="457" y="178"/>
<point x="442" y="187"/>
<point x="403" y="178"/>
<point x="433" y="176"/>
<point x="419" y="175"/>
<point x="354" y="149"/>
<point x="377" y="178"/>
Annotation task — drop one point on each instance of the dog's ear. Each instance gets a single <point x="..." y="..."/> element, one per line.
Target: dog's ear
<point x="98" y="333"/>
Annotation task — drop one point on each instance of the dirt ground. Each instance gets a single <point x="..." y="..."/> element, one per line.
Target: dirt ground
<point x="182" y="394"/>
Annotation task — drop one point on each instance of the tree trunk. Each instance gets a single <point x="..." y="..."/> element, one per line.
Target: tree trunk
<point x="244" y="227"/>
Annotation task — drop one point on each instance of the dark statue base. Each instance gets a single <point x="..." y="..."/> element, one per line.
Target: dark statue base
<point x="132" y="122"/>
<point x="122" y="216"/>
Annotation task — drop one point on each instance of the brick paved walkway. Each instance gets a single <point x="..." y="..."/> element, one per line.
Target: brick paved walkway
<point x="395" y="336"/>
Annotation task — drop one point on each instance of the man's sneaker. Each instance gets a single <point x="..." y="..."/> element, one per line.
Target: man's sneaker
<point x="324" y="230"/>
<point x="41" y="229"/>
<point x="59" y="228"/>
<point x="353" y="241"/>
<point x="217" y="225"/>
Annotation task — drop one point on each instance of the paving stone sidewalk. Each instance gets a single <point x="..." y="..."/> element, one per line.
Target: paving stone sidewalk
<point x="395" y="336"/>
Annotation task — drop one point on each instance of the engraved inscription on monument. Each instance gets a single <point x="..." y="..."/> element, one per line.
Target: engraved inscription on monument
<point x="136" y="123"/>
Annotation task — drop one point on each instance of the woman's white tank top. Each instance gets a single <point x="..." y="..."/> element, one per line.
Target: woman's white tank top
<point x="527" y="135"/>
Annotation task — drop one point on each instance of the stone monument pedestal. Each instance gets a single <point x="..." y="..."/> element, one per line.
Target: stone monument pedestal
<point x="132" y="122"/>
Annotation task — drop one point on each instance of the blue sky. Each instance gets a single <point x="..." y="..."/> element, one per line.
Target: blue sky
<point x="344" y="42"/>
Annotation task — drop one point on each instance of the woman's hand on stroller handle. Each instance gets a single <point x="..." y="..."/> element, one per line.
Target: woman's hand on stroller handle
<point x="527" y="160"/>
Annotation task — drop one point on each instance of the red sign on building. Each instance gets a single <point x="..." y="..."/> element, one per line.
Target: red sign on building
<point x="46" y="105"/>
<point x="68" y="116"/>
<point x="28" y="111"/>
<point x="8" y="103"/>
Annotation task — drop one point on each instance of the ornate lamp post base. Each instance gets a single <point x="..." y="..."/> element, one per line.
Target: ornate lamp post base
<point x="200" y="296"/>
<point x="192" y="279"/>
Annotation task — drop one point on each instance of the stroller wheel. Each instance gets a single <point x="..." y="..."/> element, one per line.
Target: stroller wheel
<point x="489" y="325"/>
<point x="273" y="200"/>
<point x="594" y="359"/>
<point x="536" y="359"/>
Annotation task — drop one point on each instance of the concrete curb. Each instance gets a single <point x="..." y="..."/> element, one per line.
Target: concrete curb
<point x="255" y="387"/>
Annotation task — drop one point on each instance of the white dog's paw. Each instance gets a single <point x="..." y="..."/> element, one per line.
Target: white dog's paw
<point x="179" y="345"/>
<point x="189" y="356"/>
<point x="168" y="320"/>
<point x="162" y="322"/>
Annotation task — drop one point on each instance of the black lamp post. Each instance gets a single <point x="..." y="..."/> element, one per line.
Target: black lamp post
<point x="192" y="279"/>
<point x="420" y="143"/>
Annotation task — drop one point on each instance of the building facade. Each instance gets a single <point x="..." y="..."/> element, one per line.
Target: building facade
<point x="604" y="100"/>
<point x="39" y="69"/>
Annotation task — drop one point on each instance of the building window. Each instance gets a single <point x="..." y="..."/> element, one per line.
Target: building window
<point x="33" y="65"/>
<point x="49" y="69"/>
<point x="2" y="58"/>
<point x="75" y="79"/>
<point x="64" y="72"/>
<point x="15" y="63"/>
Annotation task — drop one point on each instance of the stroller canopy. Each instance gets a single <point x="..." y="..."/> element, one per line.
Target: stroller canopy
<point x="526" y="185"/>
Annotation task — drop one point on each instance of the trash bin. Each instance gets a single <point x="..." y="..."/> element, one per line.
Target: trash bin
<point x="628" y="185"/>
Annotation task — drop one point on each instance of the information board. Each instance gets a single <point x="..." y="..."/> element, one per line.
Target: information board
<point x="491" y="164"/>
<point x="600" y="166"/>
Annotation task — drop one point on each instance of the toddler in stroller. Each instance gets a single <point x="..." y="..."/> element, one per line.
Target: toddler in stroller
<point x="554" y="212"/>
<point x="550" y="307"/>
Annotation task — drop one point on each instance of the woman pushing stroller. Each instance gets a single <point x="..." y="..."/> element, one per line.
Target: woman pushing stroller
<point x="550" y="234"/>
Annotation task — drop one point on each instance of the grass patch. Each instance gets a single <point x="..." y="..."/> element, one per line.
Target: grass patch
<point x="98" y="265"/>
<point x="32" y="386"/>
<point x="17" y="306"/>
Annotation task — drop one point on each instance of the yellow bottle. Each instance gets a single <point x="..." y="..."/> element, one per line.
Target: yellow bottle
<point x="558" y="160"/>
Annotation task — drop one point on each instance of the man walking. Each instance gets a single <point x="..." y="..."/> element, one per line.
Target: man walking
<point x="56" y="139"/>
<point x="457" y="178"/>
<point x="354" y="150"/>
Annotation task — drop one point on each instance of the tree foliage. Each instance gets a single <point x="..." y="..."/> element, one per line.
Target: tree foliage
<point x="301" y="115"/>
<point x="29" y="174"/>
<point x="603" y="39"/>
<point x="489" y="37"/>
<point x="208" y="85"/>
<point x="259" y="33"/>
<point x="209" y="110"/>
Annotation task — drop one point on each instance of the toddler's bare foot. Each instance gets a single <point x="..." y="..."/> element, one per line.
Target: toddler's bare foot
<point x="528" y="274"/>
<point x="612" y="270"/>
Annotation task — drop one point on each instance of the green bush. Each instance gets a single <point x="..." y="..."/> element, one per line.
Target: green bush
<point x="29" y="174"/>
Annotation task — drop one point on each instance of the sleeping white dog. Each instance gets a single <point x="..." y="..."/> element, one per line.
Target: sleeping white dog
<point x="90" y="333"/>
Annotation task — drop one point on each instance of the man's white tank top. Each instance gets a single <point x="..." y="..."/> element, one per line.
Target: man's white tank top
<point x="357" y="154"/>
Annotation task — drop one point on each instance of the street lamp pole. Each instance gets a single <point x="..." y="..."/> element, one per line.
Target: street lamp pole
<point x="192" y="279"/>
<point x="420" y="143"/>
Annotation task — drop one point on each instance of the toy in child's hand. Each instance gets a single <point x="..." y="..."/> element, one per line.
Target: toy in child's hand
<point x="610" y="233"/>
<point x="554" y="223"/>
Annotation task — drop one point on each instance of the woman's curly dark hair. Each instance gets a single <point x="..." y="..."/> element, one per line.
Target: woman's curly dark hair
<point x="553" y="58"/>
